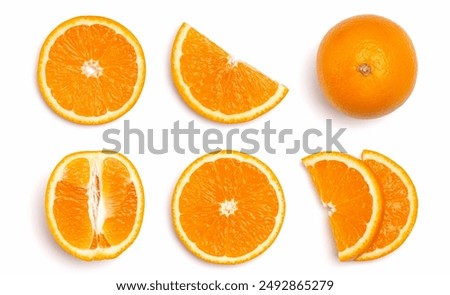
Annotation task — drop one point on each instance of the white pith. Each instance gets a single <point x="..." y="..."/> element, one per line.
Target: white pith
<point x="97" y="210"/>
<point x="233" y="61"/>
<point x="228" y="207"/>
<point x="331" y="208"/>
<point x="91" y="68"/>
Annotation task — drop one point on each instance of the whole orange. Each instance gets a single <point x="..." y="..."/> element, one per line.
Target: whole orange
<point x="366" y="66"/>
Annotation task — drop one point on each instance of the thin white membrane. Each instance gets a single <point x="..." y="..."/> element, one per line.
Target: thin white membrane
<point x="97" y="211"/>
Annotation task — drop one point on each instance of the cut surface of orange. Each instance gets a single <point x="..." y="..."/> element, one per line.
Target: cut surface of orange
<point x="400" y="205"/>
<point x="218" y="86"/>
<point x="227" y="207"/>
<point x="94" y="204"/>
<point x="350" y="191"/>
<point x="91" y="70"/>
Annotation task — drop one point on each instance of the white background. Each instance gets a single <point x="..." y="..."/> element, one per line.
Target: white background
<point x="278" y="37"/>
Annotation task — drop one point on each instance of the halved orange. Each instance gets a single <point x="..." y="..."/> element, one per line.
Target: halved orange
<point x="94" y="204"/>
<point x="217" y="85"/>
<point x="91" y="70"/>
<point x="351" y="192"/>
<point x="228" y="207"/>
<point x="400" y="205"/>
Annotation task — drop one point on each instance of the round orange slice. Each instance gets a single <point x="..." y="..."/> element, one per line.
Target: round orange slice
<point x="228" y="207"/>
<point x="91" y="70"/>
<point x="94" y="204"/>
<point x="217" y="85"/>
<point x="351" y="192"/>
<point x="400" y="205"/>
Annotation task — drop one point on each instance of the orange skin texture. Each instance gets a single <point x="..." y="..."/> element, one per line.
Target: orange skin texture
<point x="366" y="66"/>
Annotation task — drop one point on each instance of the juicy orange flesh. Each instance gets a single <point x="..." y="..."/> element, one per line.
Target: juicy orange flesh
<point x="396" y="205"/>
<point x="73" y="202"/>
<point x="345" y="190"/>
<point x="227" y="180"/>
<point x="70" y="207"/>
<point x="91" y="96"/>
<point x="119" y="195"/>
<point x="218" y="82"/>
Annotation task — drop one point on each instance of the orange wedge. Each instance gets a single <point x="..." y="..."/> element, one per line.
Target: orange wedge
<point x="91" y="70"/>
<point x="94" y="204"/>
<point x="227" y="207"/>
<point x="400" y="205"/>
<point x="218" y="86"/>
<point x="350" y="191"/>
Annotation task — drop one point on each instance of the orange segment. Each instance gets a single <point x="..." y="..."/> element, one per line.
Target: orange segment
<point x="119" y="199"/>
<point x="400" y="205"/>
<point x="218" y="86"/>
<point x="228" y="207"/>
<point x="94" y="204"/>
<point x="71" y="199"/>
<point x="91" y="70"/>
<point x="350" y="191"/>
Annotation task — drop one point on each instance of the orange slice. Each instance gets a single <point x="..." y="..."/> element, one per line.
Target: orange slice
<point x="227" y="207"/>
<point x="94" y="204"/>
<point x="218" y="86"/>
<point x="400" y="205"/>
<point x="351" y="192"/>
<point x="91" y="70"/>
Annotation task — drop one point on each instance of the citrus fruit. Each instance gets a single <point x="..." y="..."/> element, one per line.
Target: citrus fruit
<point x="399" y="202"/>
<point x="366" y="66"/>
<point x="217" y="85"/>
<point x="94" y="204"/>
<point x="227" y="207"/>
<point x="351" y="192"/>
<point x="91" y="70"/>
